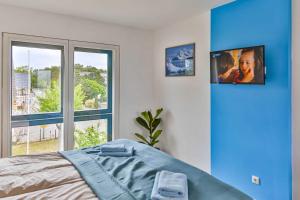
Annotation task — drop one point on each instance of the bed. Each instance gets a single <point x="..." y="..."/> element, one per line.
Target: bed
<point x="83" y="174"/>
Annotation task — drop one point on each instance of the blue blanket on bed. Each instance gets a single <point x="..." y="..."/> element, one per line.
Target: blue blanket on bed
<point x="132" y="178"/>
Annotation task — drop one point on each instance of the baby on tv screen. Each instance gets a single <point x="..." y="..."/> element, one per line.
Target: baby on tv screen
<point x="238" y="66"/>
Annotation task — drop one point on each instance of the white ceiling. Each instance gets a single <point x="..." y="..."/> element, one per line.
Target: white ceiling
<point x="146" y="14"/>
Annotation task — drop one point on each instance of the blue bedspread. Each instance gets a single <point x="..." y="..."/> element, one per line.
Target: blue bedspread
<point x="132" y="178"/>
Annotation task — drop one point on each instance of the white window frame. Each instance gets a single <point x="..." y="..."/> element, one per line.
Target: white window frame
<point x="68" y="114"/>
<point x="115" y="83"/>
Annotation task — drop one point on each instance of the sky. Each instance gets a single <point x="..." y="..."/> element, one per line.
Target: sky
<point x="41" y="58"/>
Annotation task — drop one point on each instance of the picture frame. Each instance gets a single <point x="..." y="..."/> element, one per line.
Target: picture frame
<point x="180" y="60"/>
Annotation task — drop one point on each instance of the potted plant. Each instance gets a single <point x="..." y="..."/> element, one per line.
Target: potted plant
<point x="150" y="122"/>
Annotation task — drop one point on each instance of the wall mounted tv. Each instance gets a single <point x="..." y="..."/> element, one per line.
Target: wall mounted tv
<point x="238" y="66"/>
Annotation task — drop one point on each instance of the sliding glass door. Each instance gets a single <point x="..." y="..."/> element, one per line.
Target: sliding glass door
<point x="57" y="94"/>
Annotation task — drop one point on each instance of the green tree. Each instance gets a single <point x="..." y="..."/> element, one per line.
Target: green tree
<point x="89" y="72"/>
<point x="22" y="69"/>
<point x="50" y="102"/>
<point x="93" y="84"/>
<point x="92" y="89"/>
<point x="77" y="70"/>
<point x="89" y="137"/>
<point x="79" y="97"/>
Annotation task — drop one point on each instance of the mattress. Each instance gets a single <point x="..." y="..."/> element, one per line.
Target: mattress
<point x="45" y="176"/>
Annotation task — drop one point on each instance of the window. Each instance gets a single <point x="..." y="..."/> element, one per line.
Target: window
<point x="92" y="94"/>
<point x="57" y="94"/>
<point x="36" y="100"/>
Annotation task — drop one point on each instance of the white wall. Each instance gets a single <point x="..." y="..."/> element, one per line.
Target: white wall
<point x="186" y="100"/>
<point x="296" y="100"/>
<point x="136" y="55"/>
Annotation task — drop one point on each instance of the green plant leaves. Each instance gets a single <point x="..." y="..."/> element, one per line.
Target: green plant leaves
<point x="156" y="134"/>
<point x="146" y="116"/>
<point x="143" y="123"/>
<point x="158" y="111"/>
<point x="142" y="138"/>
<point x="150" y="123"/>
<point x="88" y="137"/>
<point x="155" y="124"/>
<point x="153" y="143"/>
<point x="150" y="117"/>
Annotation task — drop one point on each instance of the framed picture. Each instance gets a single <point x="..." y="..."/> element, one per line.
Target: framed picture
<point x="238" y="66"/>
<point x="180" y="60"/>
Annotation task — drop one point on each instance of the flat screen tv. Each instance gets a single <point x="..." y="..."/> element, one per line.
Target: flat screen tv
<point x="238" y="66"/>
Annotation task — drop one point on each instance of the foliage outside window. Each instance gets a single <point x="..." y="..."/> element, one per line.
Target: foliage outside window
<point x="89" y="137"/>
<point x="90" y="89"/>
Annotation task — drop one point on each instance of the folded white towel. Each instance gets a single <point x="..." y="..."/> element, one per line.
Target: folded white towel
<point x="127" y="153"/>
<point x="113" y="148"/>
<point x="170" y="186"/>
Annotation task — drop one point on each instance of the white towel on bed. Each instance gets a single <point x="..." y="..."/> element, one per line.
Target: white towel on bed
<point x="170" y="186"/>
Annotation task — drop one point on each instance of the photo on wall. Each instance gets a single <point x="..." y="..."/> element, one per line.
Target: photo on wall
<point x="238" y="66"/>
<point x="180" y="60"/>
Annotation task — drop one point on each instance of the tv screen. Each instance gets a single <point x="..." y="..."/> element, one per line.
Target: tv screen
<point x="238" y="66"/>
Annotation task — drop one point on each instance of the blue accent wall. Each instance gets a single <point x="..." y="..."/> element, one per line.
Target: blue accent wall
<point x="251" y="124"/>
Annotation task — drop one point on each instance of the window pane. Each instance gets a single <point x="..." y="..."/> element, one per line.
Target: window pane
<point x="90" y="70"/>
<point x="36" y="89"/>
<point x="37" y="139"/>
<point x="90" y="133"/>
<point x="36" y="80"/>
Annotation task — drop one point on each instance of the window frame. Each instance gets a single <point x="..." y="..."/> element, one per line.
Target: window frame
<point x="45" y="117"/>
<point x="68" y="46"/>
<point x="111" y="112"/>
